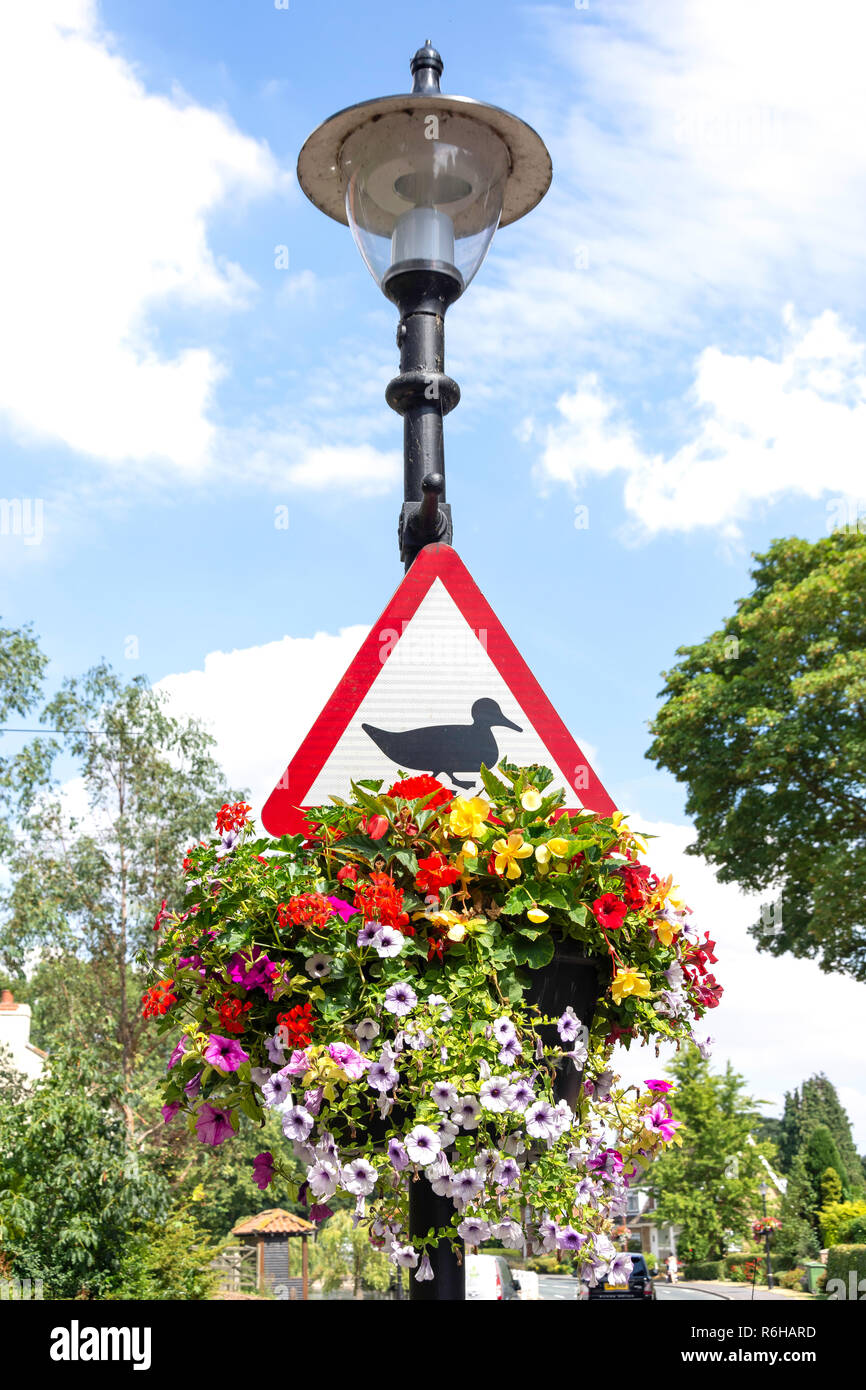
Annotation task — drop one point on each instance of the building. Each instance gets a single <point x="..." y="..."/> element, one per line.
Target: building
<point x="645" y="1234"/>
<point x="278" y="1269"/>
<point x="15" y="1045"/>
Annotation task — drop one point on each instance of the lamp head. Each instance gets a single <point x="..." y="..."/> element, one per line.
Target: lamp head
<point x="423" y="180"/>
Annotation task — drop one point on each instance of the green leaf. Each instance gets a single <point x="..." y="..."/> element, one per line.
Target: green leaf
<point x="496" y="790"/>
<point x="519" y="900"/>
<point x="535" y="954"/>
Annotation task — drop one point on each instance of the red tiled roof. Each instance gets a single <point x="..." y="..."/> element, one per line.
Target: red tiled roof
<point x="273" y="1222"/>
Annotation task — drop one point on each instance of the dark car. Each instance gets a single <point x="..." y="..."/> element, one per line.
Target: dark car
<point x="640" y="1285"/>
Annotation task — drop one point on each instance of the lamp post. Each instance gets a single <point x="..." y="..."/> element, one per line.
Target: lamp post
<point x="423" y="180"/>
<point x="764" y="1189"/>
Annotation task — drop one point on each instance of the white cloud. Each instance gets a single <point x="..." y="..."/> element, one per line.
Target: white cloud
<point x="708" y="160"/>
<point x="764" y="428"/>
<point x="260" y="702"/>
<point x="111" y="188"/>
<point x="780" y="1020"/>
<point x="360" y="468"/>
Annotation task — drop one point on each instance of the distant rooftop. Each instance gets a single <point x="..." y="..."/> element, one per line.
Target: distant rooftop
<point x="273" y="1222"/>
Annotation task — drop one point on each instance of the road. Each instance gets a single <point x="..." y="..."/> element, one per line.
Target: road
<point x="562" y="1287"/>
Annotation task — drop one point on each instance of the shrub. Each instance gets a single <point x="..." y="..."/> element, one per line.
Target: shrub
<point x="843" y="1261"/>
<point x="739" y="1267"/>
<point x="169" y="1260"/>
<point x="791" y="1278"/>
<point x="837" y="1220"/>
<point x="708" y="1269"/>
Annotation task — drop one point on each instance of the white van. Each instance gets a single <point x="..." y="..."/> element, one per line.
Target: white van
<point x="488" y="1277"/>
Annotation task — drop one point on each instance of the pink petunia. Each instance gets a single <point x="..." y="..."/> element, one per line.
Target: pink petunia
<point x="213" y="1126"/>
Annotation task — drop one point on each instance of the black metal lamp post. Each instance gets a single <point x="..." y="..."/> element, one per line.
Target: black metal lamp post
<point x="764" y="1189"/>
<point x="423" y="180"/>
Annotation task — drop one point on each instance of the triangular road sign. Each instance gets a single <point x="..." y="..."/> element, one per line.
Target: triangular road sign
<point x="439" y="687"/>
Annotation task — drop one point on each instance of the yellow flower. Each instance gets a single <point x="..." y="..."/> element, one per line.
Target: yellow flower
<point x="629" y="982"/>
<point x="508" y="852"/>
<point x="665" y="931"/>
<point x="467" y="817"/>
<point x="470" y="849"/>
<point x="536" y="915"/>
<point x="457" y="932"/>
<point x="198" y="1193"/>
<point x="531" y="799"/>
<point x="542" y="853"/>
<point x="558" y="847"/>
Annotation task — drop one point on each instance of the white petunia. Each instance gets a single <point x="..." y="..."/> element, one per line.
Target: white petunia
<point x="422" y="1144"/>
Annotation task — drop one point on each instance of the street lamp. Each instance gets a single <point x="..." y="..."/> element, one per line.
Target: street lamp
<point x="423" y="180"/>
<point x="764" y="1189"/>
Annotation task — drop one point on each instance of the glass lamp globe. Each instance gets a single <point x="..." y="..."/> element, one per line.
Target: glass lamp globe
<point x="423" y="180"/>
<point x="413" y="200"/>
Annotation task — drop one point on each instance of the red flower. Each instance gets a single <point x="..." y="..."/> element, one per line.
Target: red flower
<point x="634" y="881"/>
<point x="348" y="873"/>
<point x="297" y="1025"/>
<point x="375" y="827"/>
<point x="381" y="901"/>
<point x="230" y="1012"/>
<point x="158" y="1000"/>
<point x="709" y="992"/>
<point x="232" y="817"/>
<point x="411" y="788"/>
<point x="161" y="916"/>
<point x="609" y="911"/>
<point x="306" y="909"/>
<point x="435" y="873"/>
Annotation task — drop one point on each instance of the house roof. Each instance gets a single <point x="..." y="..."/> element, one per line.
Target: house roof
<point x="273" y="1222"/>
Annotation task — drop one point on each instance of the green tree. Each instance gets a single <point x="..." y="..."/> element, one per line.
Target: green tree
<point x="797" y="1240"/>
<point x="343" y="1253"/>
<point x="817" y="1103"/>
<point x="831" y="1187"/>
<point x="764" y="723"/>
<point x="64" y="1155"/>
<point x="820" y="1154"/>
<point x="91" y="864"/>
<point x="709" y="1185"/>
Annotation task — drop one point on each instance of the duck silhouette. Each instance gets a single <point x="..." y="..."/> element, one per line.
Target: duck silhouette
<point x="447" y="748"/>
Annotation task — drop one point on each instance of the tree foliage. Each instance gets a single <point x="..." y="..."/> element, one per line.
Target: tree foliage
<point x="342" y="1252"/>
<point x="815" y="1103"/>
<point x="65" y="1161"/>
<point x="764" y="723"/>
<point x="709" y="1186"/>
<point x="93" y="859"/>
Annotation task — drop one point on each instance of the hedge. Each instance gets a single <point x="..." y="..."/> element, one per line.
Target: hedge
<point x="709" y="1269"/>
<point x="841" y="1261"/>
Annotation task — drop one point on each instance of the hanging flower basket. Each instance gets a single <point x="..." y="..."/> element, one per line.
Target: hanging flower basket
<point x="427" y="989"/>
<point x="766" y="1226"/>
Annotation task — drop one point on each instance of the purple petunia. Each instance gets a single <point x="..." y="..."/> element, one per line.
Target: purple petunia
<point x="213" y="1126"/>
<point x="226" y="1054"/>
<point x="178" y="1052"/>
<point x="351" y="1062"/>
<point x="277" y="1089"/>
<point x="253" y="970"/>
<point x="400" y="999"/>
<point x="263" y="1169"/>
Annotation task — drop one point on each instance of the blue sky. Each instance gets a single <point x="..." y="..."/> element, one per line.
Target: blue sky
<point x="673" y="339"/>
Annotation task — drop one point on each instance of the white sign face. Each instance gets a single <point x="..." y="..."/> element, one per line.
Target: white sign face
<point x="437" y="687"/>
<point x="438" y="705"/>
